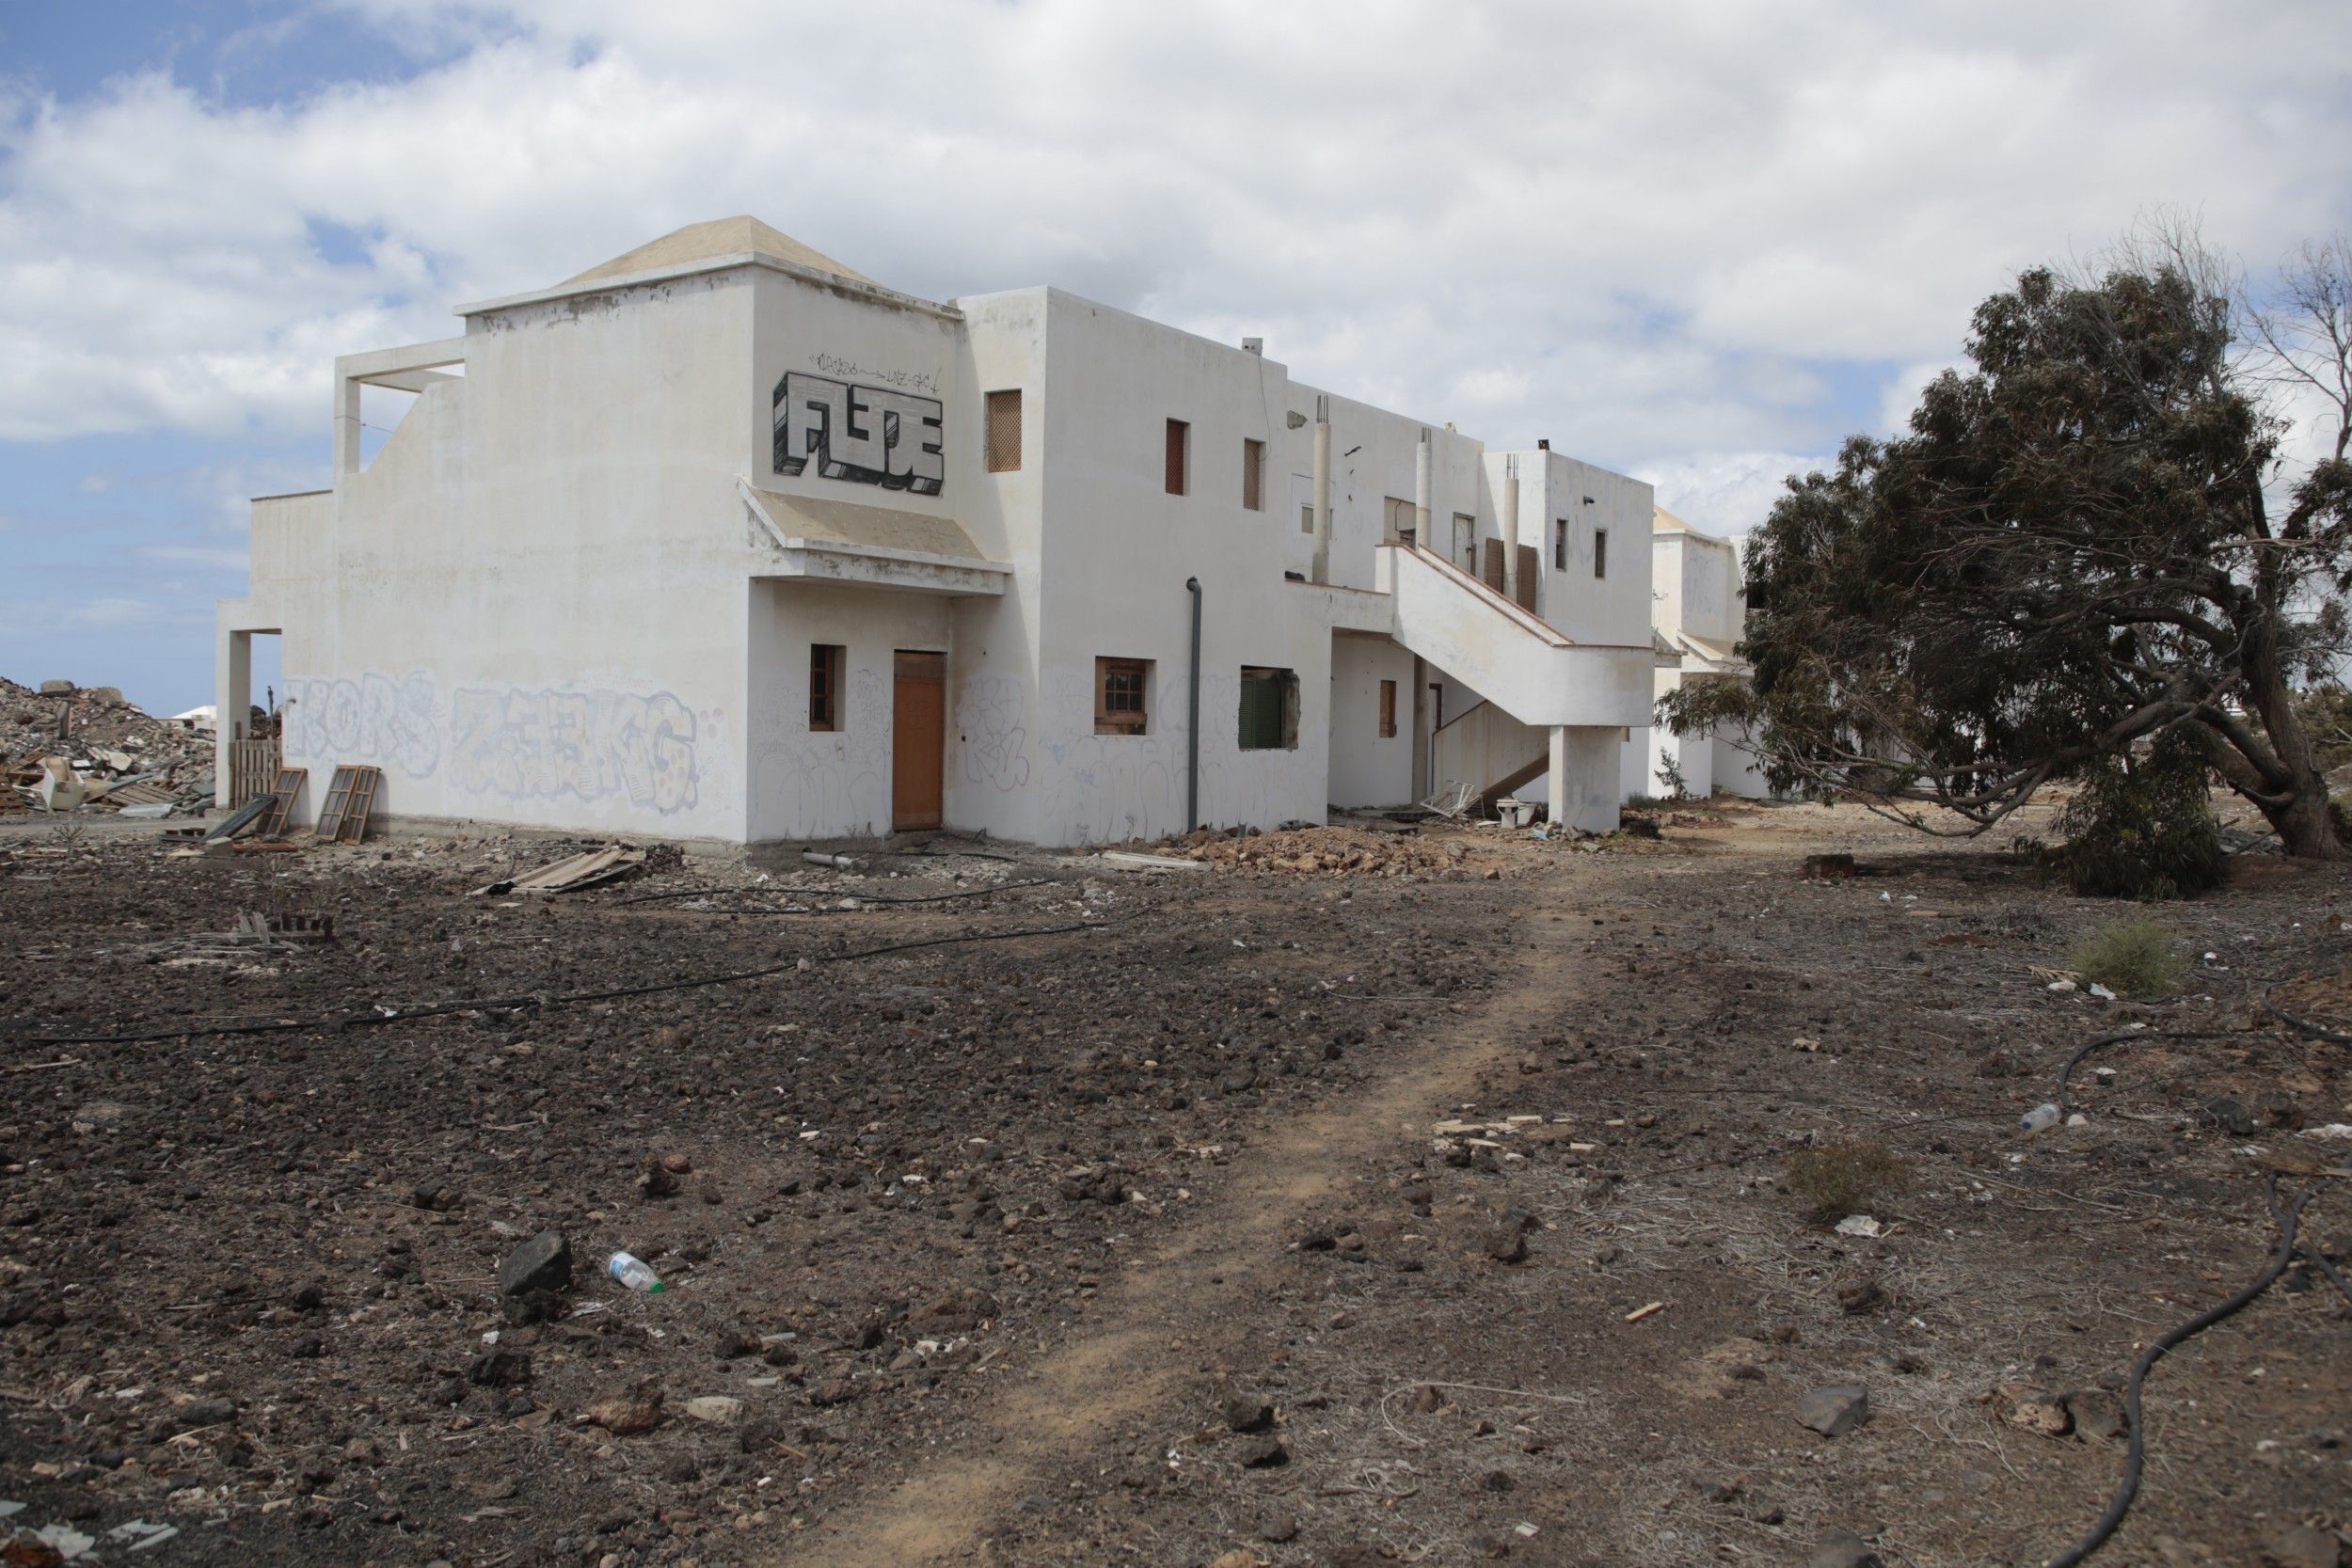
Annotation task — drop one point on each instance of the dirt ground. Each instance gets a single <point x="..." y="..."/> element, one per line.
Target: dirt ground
<point x="1273" y="1212"/>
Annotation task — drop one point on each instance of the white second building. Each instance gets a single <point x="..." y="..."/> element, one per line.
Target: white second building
<point x="723" y="541"/>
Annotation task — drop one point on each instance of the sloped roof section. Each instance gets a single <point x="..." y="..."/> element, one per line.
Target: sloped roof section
<point x="701" y="242"/>
<point x="809" y="520"/>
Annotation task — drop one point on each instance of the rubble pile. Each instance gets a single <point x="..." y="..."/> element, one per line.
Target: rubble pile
<point x="87" y="748"/>
<point x="1332" y="852"/>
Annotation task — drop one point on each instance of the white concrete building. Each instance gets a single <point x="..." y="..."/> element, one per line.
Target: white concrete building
<point x="1699" y="607"/>
<point x="723" y="541"/>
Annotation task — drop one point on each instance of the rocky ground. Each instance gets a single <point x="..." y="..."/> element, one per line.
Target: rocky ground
<point x="1267" y="1213"/>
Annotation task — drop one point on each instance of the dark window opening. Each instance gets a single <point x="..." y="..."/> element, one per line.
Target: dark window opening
<point x="1178" y="441"/>
<point x="1270" y="709"/>
<point x="1600" y="552"/>
<point x="1253" y="476"/>
<point x="1559" y="544"/>
<point x="825" y="663"/>
<point x="1388" y="709"/>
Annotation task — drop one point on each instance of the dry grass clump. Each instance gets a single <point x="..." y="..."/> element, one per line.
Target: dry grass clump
<point x="1842" y="1178"/>
<point x="2131" y="957"/>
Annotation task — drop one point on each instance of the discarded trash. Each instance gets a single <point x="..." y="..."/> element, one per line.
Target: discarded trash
<point x="2039" y="1120"/>
<point x="2062" y="986"/>
<point x="2102" y="993"/>
<point x="839" y="863"/>
<point x="632" y="1271"/>
<point x="1860" y="1224"/>
<point x="2078" y="1120"/>
<point x="2337" y="1130"/>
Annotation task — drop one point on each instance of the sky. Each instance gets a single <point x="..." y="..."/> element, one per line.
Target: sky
<point x="1698" y="243"/>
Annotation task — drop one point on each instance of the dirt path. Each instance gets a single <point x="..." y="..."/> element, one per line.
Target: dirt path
<point x="1186" y="1307"/>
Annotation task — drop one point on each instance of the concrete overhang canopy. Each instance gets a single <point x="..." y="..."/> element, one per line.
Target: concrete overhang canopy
<point x="1706" y="655"/>
<point x="877" y="546"/>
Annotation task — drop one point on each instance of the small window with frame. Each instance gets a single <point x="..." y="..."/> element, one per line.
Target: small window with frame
<point x="1179" y="457"/>
<point x="1388" y="710"/>
<point x="825" y="663"/>
<point x="1123" y="695"/>
<point x="1600" y="552"/>
<point x="1559" y="544"/>
<point x="1252" y="476"/>
<point x="1004" y="431"/>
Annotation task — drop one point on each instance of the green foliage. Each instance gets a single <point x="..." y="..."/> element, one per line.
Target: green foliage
<point x="2131" y="957"/>
<point x="1670" y="774"/>
<point x="2073" y="548"/>
<point x="1841" y="1179"/>
<point x="2325" y="711"/>
<point x="2142" y="827"/>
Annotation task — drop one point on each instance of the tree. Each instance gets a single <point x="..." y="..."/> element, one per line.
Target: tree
<point x="2088" y="539"/>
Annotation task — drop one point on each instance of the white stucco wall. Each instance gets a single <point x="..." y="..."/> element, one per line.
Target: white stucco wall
<point x="1366" y="768"/>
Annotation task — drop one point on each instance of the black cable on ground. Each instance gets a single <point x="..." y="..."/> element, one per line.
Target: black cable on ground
<point x="2303" y="1025"/>
<point x="379" y="1016"/>
<point x="2135" y="1456"/>
<point x="825" y="892"/>
<point x="2313" y="1256"/>
<point x="2066" y="1100"/>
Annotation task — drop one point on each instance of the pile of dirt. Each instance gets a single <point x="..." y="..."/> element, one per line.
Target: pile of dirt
<point x="97" y="739"/>
<point x="1336" y="852"/>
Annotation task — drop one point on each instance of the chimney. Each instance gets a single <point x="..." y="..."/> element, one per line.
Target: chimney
<point x="1543" y="443"/>
<point x="1254" y="345"/>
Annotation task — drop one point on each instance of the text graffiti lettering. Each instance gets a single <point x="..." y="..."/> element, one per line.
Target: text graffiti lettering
<point x="864" y="435"/>
<point x="595" y="745"/>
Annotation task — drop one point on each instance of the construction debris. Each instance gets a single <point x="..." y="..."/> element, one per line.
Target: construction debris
<point x="1333" y="851"/>
<point x="590" y="868"/>
<point x="84" y="748"/>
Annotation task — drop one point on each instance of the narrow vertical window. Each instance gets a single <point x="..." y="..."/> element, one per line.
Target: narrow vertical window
<point x="1004" y="431"/>
<point x="1600" y="552"/>
<point x="1305" y="518"/>
<point x="825" y="661"/>
<point x="1559" y="544"/>
<point x="1253" y="476"/>
<point x="1388" y="709"/>
<point x="1178" y="439"/>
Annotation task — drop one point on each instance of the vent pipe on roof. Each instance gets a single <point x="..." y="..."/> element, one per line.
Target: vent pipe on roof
<point x="1423" y="480"/>
<point x="1322" y="569"/>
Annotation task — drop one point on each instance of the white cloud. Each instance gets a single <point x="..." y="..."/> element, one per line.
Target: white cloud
<point x="1642" y="231"/>
<point x="1721" y="492"/>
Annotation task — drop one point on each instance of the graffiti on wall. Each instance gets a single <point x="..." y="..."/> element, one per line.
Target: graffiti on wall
<point x="384" y="720"/>
<point x="811" y="784"/>
<point x="864" y="435"/>
<point x="594" y="744"/>
<point x="992" y="740"/>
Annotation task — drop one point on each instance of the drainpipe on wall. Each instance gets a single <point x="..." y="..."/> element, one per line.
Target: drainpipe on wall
<point x="1322" y="572"/>
<point x="1192" y="726"/>
<point x="1511" y="528"/>
<point x="1422" y="482"/>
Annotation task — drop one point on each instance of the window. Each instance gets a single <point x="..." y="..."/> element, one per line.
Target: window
<point x="1004" y="431"/>
<point x="1600" y="552"/>
<point x="825" y="662"/>
<point x="1270" y="709"/>
<point x="1253" y="476"/>
<point x="1559" y="544"/>
<point x="1178" y="441"/>
<point x="1396" y="519"/>
<point x="1388" y="709"/>
<point x="1466" y="539"/>
<point x="1306" y="516"/>
<point x="1122" y="688"/>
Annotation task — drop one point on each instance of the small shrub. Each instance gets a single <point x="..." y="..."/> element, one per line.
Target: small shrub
<point x="1670" y="775"/>
<point x="2131" y="957"/>
<point x="1842" y="1178"/>
<point x="2142" y="827"/>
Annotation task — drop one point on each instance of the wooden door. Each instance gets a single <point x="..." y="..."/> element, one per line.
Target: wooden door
<point x="918" y="741"/>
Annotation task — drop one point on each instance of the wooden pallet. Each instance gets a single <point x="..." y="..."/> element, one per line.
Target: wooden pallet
<point x="281" y="801"/>
<point x="350" y="796"/>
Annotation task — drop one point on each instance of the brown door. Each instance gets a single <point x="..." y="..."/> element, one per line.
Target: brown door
<point x="918" y="741"/>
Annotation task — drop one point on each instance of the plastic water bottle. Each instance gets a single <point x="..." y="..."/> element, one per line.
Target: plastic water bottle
<point x="2039" y="1120"/>
<point x="631" y="1271"/>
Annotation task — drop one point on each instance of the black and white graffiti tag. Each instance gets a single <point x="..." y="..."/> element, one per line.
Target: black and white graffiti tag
<point x="865" y="435"/>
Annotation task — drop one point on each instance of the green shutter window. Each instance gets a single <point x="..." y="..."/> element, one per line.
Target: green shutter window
<point x="1264" y="696"/>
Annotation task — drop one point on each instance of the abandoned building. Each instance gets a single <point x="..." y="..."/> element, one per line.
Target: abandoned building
<point x="1699" y="608"/>
<point x="721" y="540"/>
